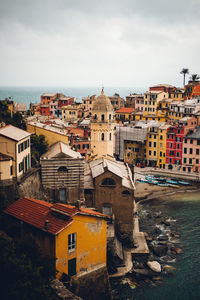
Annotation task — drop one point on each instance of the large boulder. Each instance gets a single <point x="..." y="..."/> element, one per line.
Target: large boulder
<point x="160" y="250"/>
<point x="154" y="266"/>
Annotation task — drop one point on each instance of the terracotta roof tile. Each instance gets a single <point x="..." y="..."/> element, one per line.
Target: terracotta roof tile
<point x="37" y="212"/>
<point x="125" y="110"/>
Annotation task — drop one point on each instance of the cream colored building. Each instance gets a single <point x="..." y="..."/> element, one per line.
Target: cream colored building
<point x="87" y="104"/>
<point x="6" y="167"/>
<point x="71" y="112"/>
<point x="102" y="128"/>
<point x="15" y="143"/>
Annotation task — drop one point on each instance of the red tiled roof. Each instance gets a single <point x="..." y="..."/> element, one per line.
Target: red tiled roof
<point x="125" y="110"/>
<point x="73" y="210"/>
<point x="37" y="212"/>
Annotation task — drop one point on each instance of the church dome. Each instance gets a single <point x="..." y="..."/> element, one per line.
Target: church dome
<point x="102" y="103"/>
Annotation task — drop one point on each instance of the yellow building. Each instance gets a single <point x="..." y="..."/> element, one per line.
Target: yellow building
<point x="162" y="142"/>
<point x="156" y="145"/>
<point x="75" y="237"/>
<point x="15" y="143"/>
<point x="177" y="94"/>
<point x="51" y="133"/>
<point x="102" y="128"/>
<point x="159" y="116"/>
<point x="124" y="114"/>
<point x="71" y="112"/>
<point x="151" y="101"/>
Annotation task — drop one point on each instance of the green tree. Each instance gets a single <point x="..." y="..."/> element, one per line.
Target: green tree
<point x="5" y="116"/>
<point x="38" y="147"/>
<point x="25" y="274"/>
<point x="184" y="71"/>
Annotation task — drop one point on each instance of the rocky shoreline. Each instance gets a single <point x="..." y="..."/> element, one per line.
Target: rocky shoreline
<point x="162" y="236"/>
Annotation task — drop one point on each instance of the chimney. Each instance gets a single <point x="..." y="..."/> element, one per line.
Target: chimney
<point x="78" y="204"/>
<point x="46" y="225"/>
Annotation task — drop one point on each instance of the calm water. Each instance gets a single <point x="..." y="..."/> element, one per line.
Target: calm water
<point x="185" y="284"/>
<point x="32" y="94"/>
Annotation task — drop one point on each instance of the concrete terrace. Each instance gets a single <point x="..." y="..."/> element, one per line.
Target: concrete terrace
<point x="141" y="249"/>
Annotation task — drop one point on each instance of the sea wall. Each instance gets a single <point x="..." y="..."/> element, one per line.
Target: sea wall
<point x="93" y="286"/>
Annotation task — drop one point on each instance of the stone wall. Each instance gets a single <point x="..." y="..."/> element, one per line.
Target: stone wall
<point x="29" y="185"/>
<point x="93" y="286"/>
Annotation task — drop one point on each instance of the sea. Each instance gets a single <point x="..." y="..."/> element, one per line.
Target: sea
<point x="185" y="282"/>
<point x="32" y="94"/>
<point x="184" y="207"/>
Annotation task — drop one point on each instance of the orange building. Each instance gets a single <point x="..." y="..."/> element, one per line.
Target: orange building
<point x="46" y="98"/>
<point x="196" y="91"/>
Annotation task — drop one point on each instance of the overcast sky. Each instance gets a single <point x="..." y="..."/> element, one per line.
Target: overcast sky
<point x="135" y="43"/>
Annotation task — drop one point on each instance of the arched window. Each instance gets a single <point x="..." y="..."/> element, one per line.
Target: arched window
<point x="109" y="116"/>
<point x="102" y="117"/>
<point x="110" y="136"/>
<point x="108" y="182"/>
<point x="125" y="193"/>
<point x="62" y="169"/>
<point x="102" y="137"/>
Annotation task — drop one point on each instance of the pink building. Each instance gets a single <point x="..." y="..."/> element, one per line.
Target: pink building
<point x="191" y="151"/>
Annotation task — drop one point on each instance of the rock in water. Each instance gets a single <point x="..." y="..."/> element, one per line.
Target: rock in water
<point x="160" y="250"/>
<point x="154" y="266"/>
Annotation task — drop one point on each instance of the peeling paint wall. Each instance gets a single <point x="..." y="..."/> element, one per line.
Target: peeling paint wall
<point x="90" y="249"/>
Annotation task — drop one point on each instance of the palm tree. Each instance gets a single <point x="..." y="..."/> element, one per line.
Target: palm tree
<point x="194" y="77"/>
<point x="184" y="71"/>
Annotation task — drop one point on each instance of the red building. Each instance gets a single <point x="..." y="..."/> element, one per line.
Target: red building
<point x="163" y="88"/>
<point x="175" y="135"/>
<point x="83" y="146"/>
<point x="65" y="101"/>
<point x="45" y="110"/>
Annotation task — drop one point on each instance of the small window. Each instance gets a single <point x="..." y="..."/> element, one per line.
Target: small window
<point x="110" y="136"/>
<point x="11" y="170"/>
<point x="102" y="117"/>
<point x="71" y="242"/>
<point x="108" y="182"/>
<point x="102" y="137"/>
<point x="126" y="193"/>
<point x="62" y="169"/>
<point x="107" y="209"/>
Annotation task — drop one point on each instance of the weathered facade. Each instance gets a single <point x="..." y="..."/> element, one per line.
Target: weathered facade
<point x="56" y="227"/>
<point x="63" y="173"/>
<point x="110" y="189"/>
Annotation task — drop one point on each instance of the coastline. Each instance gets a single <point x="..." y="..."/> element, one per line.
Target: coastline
<point x="146" y="192"/>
